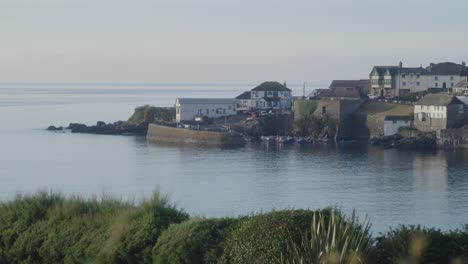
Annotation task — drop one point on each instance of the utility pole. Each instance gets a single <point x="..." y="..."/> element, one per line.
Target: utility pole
<point x="303" y="91"/>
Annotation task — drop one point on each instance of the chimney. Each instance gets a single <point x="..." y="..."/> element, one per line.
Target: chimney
<point x="401" y="64"/>
<point x="284" y="84"/>
<point x="463" y="64"/>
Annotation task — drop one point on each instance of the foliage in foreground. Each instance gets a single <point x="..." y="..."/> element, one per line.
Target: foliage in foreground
<point x="332" y="239"/>
<point x="49" y="228"/>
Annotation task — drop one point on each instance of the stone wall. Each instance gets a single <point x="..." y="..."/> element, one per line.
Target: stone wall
<point x="453" y="138"/>
<point x="165" y="134"/>
<point x="430" y="124"/>
<point x="366" y="126"/>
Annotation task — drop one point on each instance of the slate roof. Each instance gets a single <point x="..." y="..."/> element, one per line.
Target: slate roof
<point x="349" y="83"/>
<point x="447" y="68"/>
<point x="244" y="95"/>
<point x="462" y="84"/>
<point x="417" y="70"/>
<point x="439" y="100"/>
<point x="271" y="86"/>
<point x="205" y="100"/>
<point x="398" y="118"/>
<point x="318" y="92"/>
<point x="381" y="70"/>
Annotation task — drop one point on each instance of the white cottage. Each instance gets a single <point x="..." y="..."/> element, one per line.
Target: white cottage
<point x="189" y="108"/>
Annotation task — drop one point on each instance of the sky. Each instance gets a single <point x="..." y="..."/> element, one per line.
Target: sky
<point x="223" y="41"/>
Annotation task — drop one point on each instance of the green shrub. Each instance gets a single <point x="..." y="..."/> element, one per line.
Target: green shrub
<point x="48" y="228"/>
<point x="264" y="237"/>
<point x="193" y="241"/>
<point x="150" y="114"/>
<point x="332" y="239"/>
<point x="421" y="245"/>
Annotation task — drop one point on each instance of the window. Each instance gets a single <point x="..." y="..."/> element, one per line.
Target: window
<point x="207" y="111"/>
<point x="403" y="76"/>
<point x="254" y="93"/>
<point x="388" y="81"/>
<point x="404" y="83"/>
<point x="394" y="121"/>
<point x="436" y="78"/>
<point x="436" y="85"/>
<point x="451" y="84"/>
<point x="178" y="110"/>
<point x="421" y="107"/>
<point x="270" y="93"/>
<point x="324" y="110"/>
<point x="224" y="110"/>
<point x="451" y="78"/>
<point x="418" y="83"/>
<point x="417" y="76"/>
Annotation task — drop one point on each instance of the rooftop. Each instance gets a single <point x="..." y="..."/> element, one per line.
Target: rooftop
<point x="447" y="68"/>
<point x="439" y="100"/>
<point x="398" y="118"/>
<point x="271" y="86"/>
<point x="244" y="95"/>
<point x="205" y="100"/>
<point x="462" y="84"/>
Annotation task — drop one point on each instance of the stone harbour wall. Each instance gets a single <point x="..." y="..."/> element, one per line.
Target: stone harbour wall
<point x="453" y="138"/>
<point x="173" y="135"/>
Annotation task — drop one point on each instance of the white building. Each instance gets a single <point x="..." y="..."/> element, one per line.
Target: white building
<point x="391" y="81"/>
<point x="446" y="75"/>
<point x="189" y="108"/>
<point x="392" y="124"/>
<point x="244" y="102"/>
<point x="272" y="95"/>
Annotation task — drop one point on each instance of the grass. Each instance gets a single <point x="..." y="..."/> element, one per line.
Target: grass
<point x="51" y="228"/>
<point x="384" y="109"/>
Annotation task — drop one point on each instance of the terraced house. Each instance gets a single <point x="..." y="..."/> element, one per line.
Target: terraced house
<point x="392" y="81"/>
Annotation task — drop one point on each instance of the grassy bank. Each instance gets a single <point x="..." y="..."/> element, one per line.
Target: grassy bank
<point x="50" y="228"/>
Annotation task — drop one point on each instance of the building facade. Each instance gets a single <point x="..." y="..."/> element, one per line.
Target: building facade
<point x="435" y="112"/>
<point x="189" y="108"/>
<point x="272" y="95"/>
<point x="244" y="102"/>
<point x="392" y="81"/>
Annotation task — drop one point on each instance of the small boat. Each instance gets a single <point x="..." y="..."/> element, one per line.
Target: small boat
<point x="324" y="140"/>
<point x="284" y="139"/>
<point x="267" y="138"/>
<point x="301" y="140"/>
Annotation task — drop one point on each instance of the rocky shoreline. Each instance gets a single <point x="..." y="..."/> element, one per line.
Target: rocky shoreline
<point x="423" y="141"/>
<point x="101" y="128"/>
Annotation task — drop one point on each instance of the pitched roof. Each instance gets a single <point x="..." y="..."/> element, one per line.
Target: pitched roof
<point x="416" y="70"/>
<point x="398" y="118"/>
<point x="319" y="92"/>
<point x="381" y="70"/>
<point x="205" y="100"/>
<point x="462" y="84"/>
<point x="244" y="95"/>
<point x="348" y="83"/>
<point x="271" y="86"/>
<point x="439" y="100"/>
<point x="447" y="68"/>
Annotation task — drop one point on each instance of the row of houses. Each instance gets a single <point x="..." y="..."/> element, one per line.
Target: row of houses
<point x="393" y="81"/>
<point x="266" y="96"/>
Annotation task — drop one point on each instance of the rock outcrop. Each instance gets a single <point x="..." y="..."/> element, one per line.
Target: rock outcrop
<point x="423" y="141"/>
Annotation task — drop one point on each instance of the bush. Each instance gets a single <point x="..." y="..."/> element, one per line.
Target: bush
<point x="421" y="245"/>
<point x="150" y="114"/>
<point x="193" y="241"/>
<point x="264" y="237"/>
<point x="48" y="228"/>
<point x="332" y="239"/>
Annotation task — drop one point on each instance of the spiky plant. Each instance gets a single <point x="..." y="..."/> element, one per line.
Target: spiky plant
<point x="331" y="239"/>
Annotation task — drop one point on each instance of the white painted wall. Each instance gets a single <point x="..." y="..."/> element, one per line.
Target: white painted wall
<point x="391" y="127"/>
<point x="245" y="104"/>
<point x="450" y="80"/>
<point x="410" y="81"/>
<point x="431" y="111"/>
<point x="186" y="112"/>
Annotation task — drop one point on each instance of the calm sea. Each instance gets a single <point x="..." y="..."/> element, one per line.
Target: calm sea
<point x="392" y="187"/>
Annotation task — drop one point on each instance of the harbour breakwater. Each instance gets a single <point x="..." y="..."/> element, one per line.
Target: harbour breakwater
<point x="174" y="135"/>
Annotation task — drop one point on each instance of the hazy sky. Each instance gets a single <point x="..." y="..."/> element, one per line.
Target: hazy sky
<point x="223" y="41"/>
